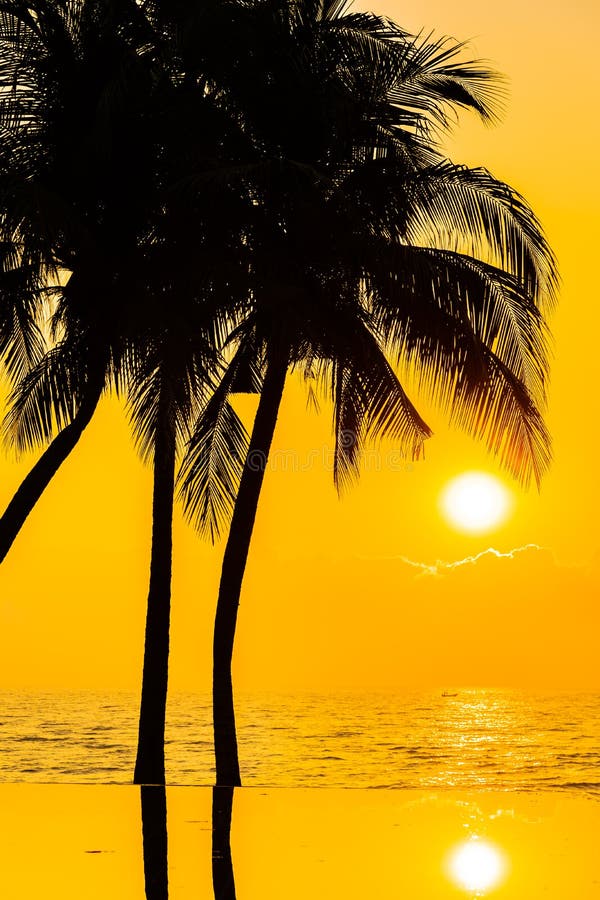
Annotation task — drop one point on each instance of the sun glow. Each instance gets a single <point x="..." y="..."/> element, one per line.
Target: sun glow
<point x="477" y="866"/>
<point x="475" y="502"/>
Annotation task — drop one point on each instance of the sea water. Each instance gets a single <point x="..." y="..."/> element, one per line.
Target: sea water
<point x="462" y="739"/>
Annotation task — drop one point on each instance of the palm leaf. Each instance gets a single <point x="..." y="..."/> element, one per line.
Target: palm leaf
<point x="169" y="383"/>
<point x="438" y="308"/>
<point x="475" y="341"/>
<point x="434" y="79"/>
<point x="45" y="400"/>
<point x="215" y="456"/>
<point x="21" y="294"/>
<point x="369" y="402"/>
<point x="469" y="210"/>
<point x="499" y="410"/>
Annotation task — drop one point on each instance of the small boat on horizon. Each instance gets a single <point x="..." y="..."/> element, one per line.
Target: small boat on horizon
<point x="449" y="693"/>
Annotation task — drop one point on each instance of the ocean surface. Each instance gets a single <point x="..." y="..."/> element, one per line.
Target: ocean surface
<point x="467" y="740"/>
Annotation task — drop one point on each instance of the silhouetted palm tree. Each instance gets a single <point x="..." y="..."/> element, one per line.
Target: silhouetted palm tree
<point x="73" y="200"/>
<point x="97" y="126"/>
<point x="173" y="377"/>
<point x="195" y="272"/>
<point x="78" y="189"/>
<point x="366" y="243"/>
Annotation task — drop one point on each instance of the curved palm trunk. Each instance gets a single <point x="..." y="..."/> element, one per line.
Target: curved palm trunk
<point x="232" y="573"/>
<point x="150" y="761"/>
<point x="37" y="480"/>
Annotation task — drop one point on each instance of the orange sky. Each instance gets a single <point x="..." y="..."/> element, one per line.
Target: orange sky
<point x="333" y="596"/>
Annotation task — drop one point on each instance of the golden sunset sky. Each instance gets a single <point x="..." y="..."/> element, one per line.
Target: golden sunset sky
<point x="376" y="590"/>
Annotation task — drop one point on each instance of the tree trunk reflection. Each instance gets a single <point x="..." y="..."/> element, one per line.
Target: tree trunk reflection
<point x="154" y="838"/>
<point x="222" y="865"/>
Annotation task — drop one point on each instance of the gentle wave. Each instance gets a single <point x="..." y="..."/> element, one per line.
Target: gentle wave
<point x="469" y="740"/>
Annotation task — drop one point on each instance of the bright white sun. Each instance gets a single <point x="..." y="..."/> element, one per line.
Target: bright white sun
<point x="475" y="502"/>
<point x="477" y="866"/>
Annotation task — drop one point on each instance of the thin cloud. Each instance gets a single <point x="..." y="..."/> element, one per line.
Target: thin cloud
<point x="441" y="568"/>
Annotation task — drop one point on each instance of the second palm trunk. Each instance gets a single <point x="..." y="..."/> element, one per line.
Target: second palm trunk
<point x="150" y="762"/>
<point x="234" y="564"/>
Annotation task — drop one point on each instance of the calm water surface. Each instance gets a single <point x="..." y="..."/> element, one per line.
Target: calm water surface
<point x="471" y="740"/>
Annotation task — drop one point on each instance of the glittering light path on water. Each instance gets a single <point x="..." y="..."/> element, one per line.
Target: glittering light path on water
<point x="468" y="740"/>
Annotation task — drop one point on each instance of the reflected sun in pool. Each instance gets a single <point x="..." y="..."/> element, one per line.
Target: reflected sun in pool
<point x="477" y="866"/>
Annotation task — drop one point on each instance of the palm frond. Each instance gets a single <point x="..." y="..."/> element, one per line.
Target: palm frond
<point x="499" y="410"/>
<point x="434" y="79"/>
<point x="215" y="456"/>
<point x="475" y="342"/>
<point x="437" y="309"/>
<point x="169" y="384"/>
<point x="362" y="22"/>
<point x="22" y="343"/>
<point x="21" y="294"/>
<point x="146" y="398"/>
<point x="469" y="210"/>
<point x="369" y="402"/>
<point x="44" y="401"/>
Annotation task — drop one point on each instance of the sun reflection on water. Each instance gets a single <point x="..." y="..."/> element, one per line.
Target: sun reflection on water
<point x="477" y="866"/>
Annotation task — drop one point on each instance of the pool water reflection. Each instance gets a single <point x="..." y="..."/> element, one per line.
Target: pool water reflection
<point x="121" y="842"/>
